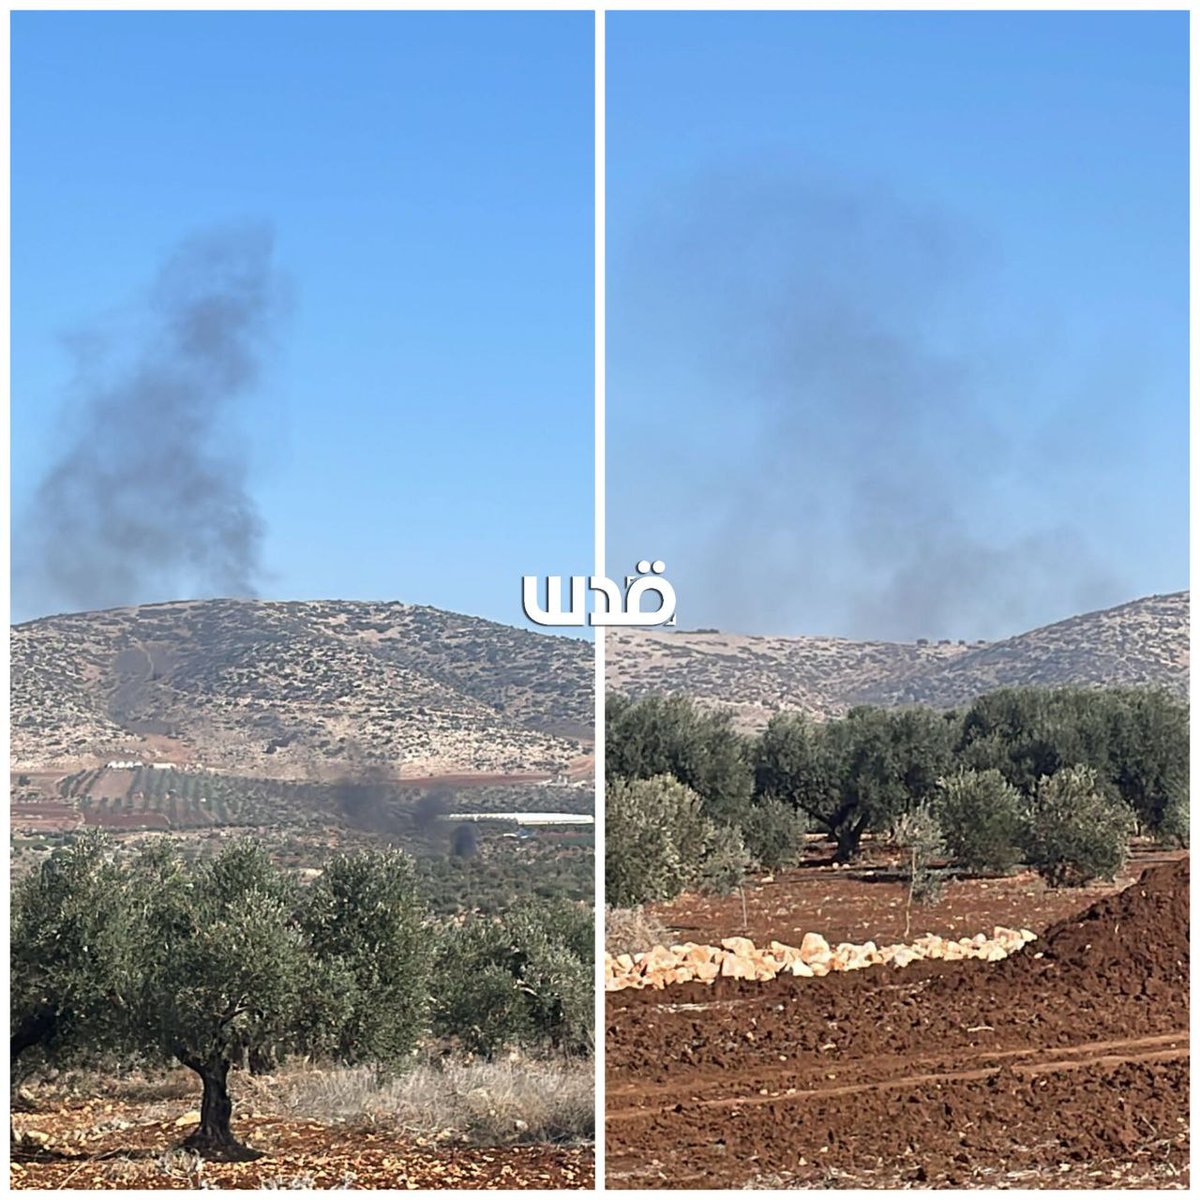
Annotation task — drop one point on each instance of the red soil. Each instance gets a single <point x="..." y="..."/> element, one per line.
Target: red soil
<point x="1066" y="1064"/>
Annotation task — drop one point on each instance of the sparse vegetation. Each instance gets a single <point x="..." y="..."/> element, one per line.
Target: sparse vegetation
<point x="1140" y="645"/>
<point x="919" y="835"/>
<point x="287" y="688"/>
<point x="630" y="930"/>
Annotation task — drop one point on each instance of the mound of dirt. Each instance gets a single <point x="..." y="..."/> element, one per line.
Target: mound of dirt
<point x="1145" y="927"/>
<point x="1132" y="943"/>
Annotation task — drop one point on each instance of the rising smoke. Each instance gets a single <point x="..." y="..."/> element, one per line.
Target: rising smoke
<point x="464" y="840"/>
<point x="149" y="497"/>
<point x="848" y="466"/>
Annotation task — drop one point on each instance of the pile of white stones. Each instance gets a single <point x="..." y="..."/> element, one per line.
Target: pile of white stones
<point x="739" y="958"/>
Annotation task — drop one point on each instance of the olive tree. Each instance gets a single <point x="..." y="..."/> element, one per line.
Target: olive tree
<point x="657" y="839"/>
<point x="1075" y="830"/>
<point x="857" y="774"/>
<point x="363" y="924"/>
<point x="525" y="978"/>
<point x="980" y="817"/>
<point x="71" y="952"/>
<point x="223" y="971"/>
<point x="671" y="735"/>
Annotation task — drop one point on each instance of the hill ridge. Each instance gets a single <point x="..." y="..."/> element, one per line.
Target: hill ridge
<point x="1142" y="642"/>
<point x="298" y="689"/>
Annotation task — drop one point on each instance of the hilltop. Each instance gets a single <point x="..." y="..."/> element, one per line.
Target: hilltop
<point x="1144" y="642"/>
<point x="298" y="690"/>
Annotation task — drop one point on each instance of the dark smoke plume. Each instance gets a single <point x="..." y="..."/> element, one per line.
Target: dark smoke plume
<point x="367" y="795"/>
<point x="149" y="497"/>
<point x="464" y="841"/>
<point x="847" y="465"/>
<point x="430" y="808"/>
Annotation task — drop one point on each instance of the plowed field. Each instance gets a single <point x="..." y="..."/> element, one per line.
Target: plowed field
<point x="1065" y="1065"/>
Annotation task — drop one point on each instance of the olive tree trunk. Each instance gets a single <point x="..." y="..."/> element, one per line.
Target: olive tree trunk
<point x="213" y="1137"/>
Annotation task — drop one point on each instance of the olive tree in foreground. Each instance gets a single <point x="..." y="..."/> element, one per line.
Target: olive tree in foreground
<point x="657" y="839"/>
<point x="71" y="961"/>
<point x="211" y="964"/>
<point x="223" y="971"/>
<point x="363" y="922"/>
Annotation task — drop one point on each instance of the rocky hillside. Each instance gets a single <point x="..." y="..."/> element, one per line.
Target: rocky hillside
<point x="1144" y="642"/>
<point x="298" y="690"/>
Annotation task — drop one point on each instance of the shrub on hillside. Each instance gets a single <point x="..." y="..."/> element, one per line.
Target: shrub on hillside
<point x="1075" y="832"/>
<point x="980" y="817"/>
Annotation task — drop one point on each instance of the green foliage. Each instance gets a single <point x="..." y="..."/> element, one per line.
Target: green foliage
<point x="794" y="766"/>
<point x="1075" y="832"/>
<point x="724" y="866"/>
<point x="1173" y="828"/>
<point x="857" y="774"/>
<point x="222" y="965"/>
<point x="658" y="840"/>
<point x="980" y="814"/>
<point x="363" y="922"/>
<point x="1136" y="739"/>
<point x="1148" y="758"/>
<point x="555" y="866"/>
<point x="672" y="736"/>
<point x="214" y="962"/>
<point x="1028" y="733"/>
<point x="919" y="834"/>
<point x="773" y="832"/>
<point x="526" y="978"/>
<point x="72" y="966"/>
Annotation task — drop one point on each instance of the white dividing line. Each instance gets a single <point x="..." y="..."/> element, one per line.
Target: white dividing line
<point x="599" y="346"/>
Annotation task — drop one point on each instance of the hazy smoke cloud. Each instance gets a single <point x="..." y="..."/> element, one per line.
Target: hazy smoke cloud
<point x="149" y="497"/>
<point x="850" y="466"/>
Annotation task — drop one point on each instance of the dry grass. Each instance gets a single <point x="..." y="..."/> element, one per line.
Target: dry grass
<point x="522" y="1100"/>
<point x="630" y="930"/>
<point x="487" y="1103"/>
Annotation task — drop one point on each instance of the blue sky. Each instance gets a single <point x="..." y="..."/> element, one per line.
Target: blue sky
<point x="423" y="430"/>
<point x="898" y="315"/>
